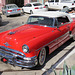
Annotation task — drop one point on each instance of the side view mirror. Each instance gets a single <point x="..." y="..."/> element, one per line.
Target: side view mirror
<point x="57" y="26"/>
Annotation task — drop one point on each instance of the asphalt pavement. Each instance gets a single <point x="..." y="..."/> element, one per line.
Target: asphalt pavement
<point x="7" y="69"/>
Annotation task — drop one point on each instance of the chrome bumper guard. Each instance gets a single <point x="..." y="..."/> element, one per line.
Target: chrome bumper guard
<point x="17" y="58"/>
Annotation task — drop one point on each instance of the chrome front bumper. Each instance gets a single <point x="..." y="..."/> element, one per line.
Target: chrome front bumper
<point x="17" y="58"/>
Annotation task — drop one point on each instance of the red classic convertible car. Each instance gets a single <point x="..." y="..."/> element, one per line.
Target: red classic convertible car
<point x="28" y="45"/>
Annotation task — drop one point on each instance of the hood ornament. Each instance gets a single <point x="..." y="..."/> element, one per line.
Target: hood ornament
<point x="10" y="33"/>
<point x="7" y="44"/>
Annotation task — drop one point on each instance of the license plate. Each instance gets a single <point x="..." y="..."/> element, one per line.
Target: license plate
<point x="14" y="10"/>
<point x="73" y="13"/>
<point x="40" y="7"/>
<point x="5" y="60"/>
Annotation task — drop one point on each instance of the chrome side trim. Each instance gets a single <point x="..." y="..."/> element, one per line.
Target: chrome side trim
<point x="59" y="41"/>
<point x="52" y="41"/>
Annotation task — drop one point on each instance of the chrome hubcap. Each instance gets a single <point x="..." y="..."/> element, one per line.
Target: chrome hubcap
<point x="42" y="56"/>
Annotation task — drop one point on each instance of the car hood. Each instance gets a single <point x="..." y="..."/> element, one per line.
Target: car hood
<point x="16" y="38"/>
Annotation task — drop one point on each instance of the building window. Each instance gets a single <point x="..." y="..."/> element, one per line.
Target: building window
<point x="50" y="0"/>
<point x="56" y="0"/>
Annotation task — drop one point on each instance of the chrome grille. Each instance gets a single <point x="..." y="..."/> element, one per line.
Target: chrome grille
<point x="17" y="58"/>
<point x="10" y="52"/>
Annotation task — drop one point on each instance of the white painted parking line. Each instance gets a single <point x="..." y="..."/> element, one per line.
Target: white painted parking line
<point x="64" y="57"/>
<point x="44" y="69"/>
<point x="71" y="53"/>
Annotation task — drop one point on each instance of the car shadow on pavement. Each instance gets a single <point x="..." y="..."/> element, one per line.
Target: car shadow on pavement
<point x="4" y="23"/>
<point x="55" y="53"/>
<point x="59" y="50"/>
<point x="17" y="15"/>
<point x="1" y="73"/>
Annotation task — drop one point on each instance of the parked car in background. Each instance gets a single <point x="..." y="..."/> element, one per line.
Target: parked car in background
<point x="0" y="20"/>
<point x="59" y="4"/>
<point x="11" y="9"/>
<point x="33" y="7"/>
<point x="70" y="11"/>
<point x="28" y="45"/>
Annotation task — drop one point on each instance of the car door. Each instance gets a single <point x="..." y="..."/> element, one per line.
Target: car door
<point x="63" y="27"/>
<point x="27" y="8"/>
<point x="61" y="32"/>
<point x="51" y="4"/>
<point x="56" y="4"/>
<point x="64" y="24"/>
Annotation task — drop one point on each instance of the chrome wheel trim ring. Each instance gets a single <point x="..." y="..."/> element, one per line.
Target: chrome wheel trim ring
<point x="42" y="56"/>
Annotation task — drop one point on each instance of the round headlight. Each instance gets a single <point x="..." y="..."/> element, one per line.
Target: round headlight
<point x="25" y="48"/>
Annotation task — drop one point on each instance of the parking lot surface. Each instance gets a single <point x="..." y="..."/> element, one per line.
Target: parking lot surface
<point x="12" y="22"/>
<point x="6" y="69"/>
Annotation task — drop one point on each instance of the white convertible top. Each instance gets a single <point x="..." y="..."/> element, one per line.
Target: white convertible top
<point x="52" y="14"/>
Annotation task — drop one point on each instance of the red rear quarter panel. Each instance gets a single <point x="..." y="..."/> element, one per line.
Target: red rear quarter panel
<point x="72" y="28"/>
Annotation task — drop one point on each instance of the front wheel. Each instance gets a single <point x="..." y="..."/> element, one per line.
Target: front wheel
<point x="42" y="57"/>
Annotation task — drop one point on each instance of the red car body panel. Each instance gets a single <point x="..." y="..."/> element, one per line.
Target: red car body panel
<point x="36" y="37"/>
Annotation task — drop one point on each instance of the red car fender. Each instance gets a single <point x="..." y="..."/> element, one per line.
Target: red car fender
<point x="72" y="27"/>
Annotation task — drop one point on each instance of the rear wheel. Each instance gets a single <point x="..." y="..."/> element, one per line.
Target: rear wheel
<point x="6" y="15"/>
<point x="22" y="11"/>
<point x="47" y="7"/>
<point x="42" y="57"/>
<point x="2" y="12"/>
<point x="65" y="7"/>
<point x="74" y="37"/>
<point x="31" y="12"/>
<point x="0" y="23"/>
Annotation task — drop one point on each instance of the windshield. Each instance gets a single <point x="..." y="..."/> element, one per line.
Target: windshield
<point x="68" y="10"/>
<point x="12" y="6"/>
<point x="37" y="4"/>
<point x="38" y="20"/>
